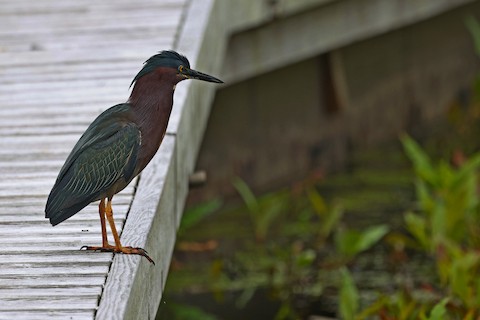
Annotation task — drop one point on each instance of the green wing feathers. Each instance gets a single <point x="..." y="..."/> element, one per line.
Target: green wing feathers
<point x="92" y="171"/>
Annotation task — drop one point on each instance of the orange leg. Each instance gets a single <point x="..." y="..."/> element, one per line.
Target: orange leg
<point x="105" y="246"/>
<point x="106" y="211"/>
<point x="101" y="211"/>
<point x="109" y="215"/>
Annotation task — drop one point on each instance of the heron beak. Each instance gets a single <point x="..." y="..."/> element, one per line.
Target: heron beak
<point x="193" y="74"/>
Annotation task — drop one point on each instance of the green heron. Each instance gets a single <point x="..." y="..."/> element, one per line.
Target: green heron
<point x="118" y="145"/>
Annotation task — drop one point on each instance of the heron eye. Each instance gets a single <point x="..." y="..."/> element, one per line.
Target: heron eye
<point x="180" y="69"/>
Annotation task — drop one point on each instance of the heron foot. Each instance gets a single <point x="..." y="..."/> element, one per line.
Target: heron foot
<point x="125" y="250"/>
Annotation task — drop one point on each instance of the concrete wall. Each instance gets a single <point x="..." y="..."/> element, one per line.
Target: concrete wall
<point x="407" y="78"/>
<point x="279" y="126"/>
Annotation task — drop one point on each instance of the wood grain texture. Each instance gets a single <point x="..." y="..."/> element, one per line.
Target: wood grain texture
<point x="62" y="62"/>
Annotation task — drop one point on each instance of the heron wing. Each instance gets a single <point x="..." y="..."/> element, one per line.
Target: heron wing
<point x="104" y="126"/>
<point x="92" y="168"/>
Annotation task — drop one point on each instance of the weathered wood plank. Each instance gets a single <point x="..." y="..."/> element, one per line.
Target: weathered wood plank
<point x="68" y="281"/>
<point x="32" y="58"/>
<point x="51" y="248"/>
<point x="75" y="72"/>
<point x="48" y="314"/>
<point x="55" y="7"/>
<point x="77" y="85"/>
<point x="68" y="42"/>
<point x="42" y="304"/>
<point x="87" y="292"/>
<point x="29" y="271"/>
<point x="74" y="257"/>
<point x="52" y="27"/>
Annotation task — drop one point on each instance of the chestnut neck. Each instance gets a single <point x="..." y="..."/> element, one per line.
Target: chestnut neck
<point x="153" y="92"/>
<point x="151" y="101"/>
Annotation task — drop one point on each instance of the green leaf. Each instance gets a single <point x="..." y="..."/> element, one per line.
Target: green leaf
<point x="331" y="221"/>
<point x="245" y="297"/>
<point x="247" y="195"/>
<point x="421" y="161"/>
<point x="467" y="170"/>
<point x="352" y="242"/>
<point x="474" y="27"/>
<point x="416" y="225"/>
<point x="193" y="216"/>
<point x="285" y="312"/>
<point x="439" y="222"/>
<point x="439" y="311"/>
<point x="424" y="197"/>
<point x="462" y="273"/>
<point x="349" y="297"/>
<point x="317" y="201"/>
<point x="346" y="240"/>
<point x="266" y="217"/>
<point x="445" y="174"/>
<point x="306" y="258"/>
<point x="371" y="236"/>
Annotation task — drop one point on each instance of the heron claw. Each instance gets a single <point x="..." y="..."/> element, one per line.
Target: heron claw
<point x="125" y="250"/>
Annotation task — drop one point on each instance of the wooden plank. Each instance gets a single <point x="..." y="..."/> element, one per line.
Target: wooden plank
<point x="54" y="25"/>
<point x="74" y="43"/>
<point x="69" y="281"/>
<point x="87" y="71"/>
<point x="111" y="96"/>
<point x="78" y="85"/>
<point x="32" y="58"/>
<point x="88" y="292"/>
<point x="80" y="303"/>
<point x="52" y="248"/>
<point x="12" y="110"/>
<point x="19" y="272"/>
<point x="48" y="314"/>
<point x="54" y="7"/>
<point x="75" y="257"/>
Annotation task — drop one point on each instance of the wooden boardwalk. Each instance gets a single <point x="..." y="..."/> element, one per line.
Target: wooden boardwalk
<point x="62" y="62"/>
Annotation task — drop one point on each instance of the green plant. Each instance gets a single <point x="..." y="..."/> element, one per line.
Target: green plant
<point x="445" y="226"/>
<point x="300" y="246"/>
<point x="349" y="296"/>
<point x="447" y="198"/>
<point x="296" y="247"/>
<point x="196" y="214"/>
